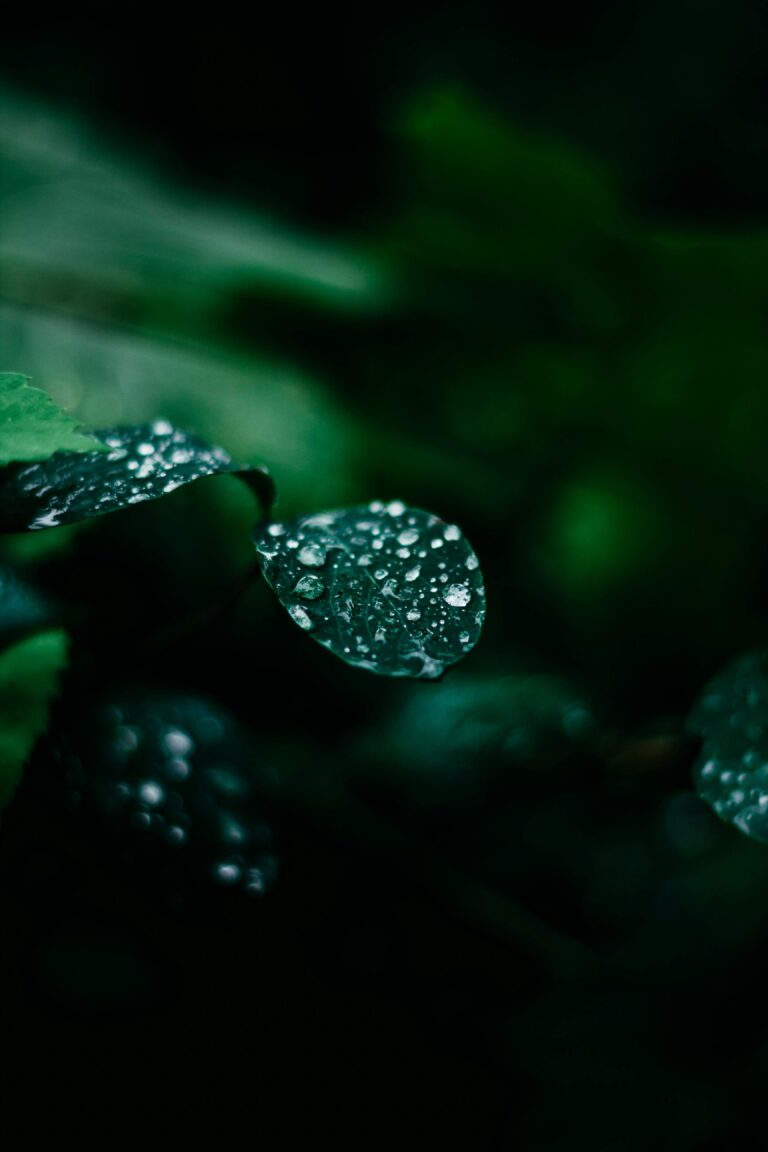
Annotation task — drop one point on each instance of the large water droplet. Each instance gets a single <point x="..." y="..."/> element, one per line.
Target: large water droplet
<point x="310" y="587"/>
<point x="413" y="573"/>
<point x="312" y="555"/>
<point x="301" y="616"/>
<point x="408" y="536"/>
<point x="457" y="595"/>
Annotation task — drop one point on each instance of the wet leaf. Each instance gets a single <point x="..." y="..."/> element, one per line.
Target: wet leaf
<point x="142" y="462"/>
<point x="32" y="427"/>
<point x="180" y="774"/>
<point x="385" y="587"/>
<point x="731" y="772"/>
<point x="29" y="673"/>
<point x="22" y="610"/>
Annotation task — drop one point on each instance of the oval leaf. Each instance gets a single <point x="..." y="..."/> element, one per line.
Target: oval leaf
<point x="142" y="462"/>
<point x="385" y="587"/>
<point x="32" y="427"/>
<point x="179" y="773"/>
<point x="731" y="772"/>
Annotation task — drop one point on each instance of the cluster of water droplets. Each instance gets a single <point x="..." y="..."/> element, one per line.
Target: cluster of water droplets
<point x="388" y="588"/>
<point x="141" y="463"/>
<point x="731" y="773"/>
<point x="173" y="771"/>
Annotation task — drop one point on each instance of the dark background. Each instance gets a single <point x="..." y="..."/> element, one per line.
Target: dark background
<point x="510" y="268"/>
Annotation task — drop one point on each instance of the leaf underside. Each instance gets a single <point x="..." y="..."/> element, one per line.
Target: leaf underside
<point x="33" y="427"/>
<point x="391" y="589"/>
<point x="731" y="772"/>
<point x="142" y="462"/>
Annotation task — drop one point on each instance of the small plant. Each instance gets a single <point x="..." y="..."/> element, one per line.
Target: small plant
<point x="388" y="588"/>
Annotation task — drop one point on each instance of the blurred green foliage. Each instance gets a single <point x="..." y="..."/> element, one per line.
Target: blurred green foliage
<point x="516" y="856"/>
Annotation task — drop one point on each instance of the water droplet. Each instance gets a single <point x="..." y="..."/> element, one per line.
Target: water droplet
<point x="310" y="587"/>
<point x="396" y="508"/>
<point x="151" y="793"/>
<point x="464" y="637"/>
<point x="145" y="450"/>
<point x="413" y="614"/>
<point x="365" y="560"/>
<point x="472" y="562"/>
<point x="381" y="573"/>
<point x="408" y="536"/>
<point x="452" y="533"/>
<point x="276" y="529"/>
<point x="302" y="617"/>
<point x="437" y="542"/>
<point x="403" y="553"/>
<point x="413" y="573"/>
<point x="228" y="873"/>
<point x="312" y="555"/>
<point x="177" y="742"/>
<point x="457" y="595"/>
<point x="162" y="428"/>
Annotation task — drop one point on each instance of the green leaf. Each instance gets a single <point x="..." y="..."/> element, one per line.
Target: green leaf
<point x="385" y="587"/>
<point x="731" y="772"/>
<point x="29" y="675"/>
<point x="22" y="610"/>
<point x="141" y="463"/>
<point x="32" y="427"/>
<point x="467" y="731"/>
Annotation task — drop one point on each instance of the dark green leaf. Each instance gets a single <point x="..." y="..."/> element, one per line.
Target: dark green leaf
<point x="29" y="673"/>
<point x="32" y="427"/>
<point x="142" y="463"/>
<point x="388" y="588"/>
<point x="468" y="730"/>
<point x="731" y="772"/>
<point x="22" y="610"/>
<point x="179" y="773"/>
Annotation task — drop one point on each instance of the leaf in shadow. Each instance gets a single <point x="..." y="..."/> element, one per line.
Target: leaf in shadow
<point x="175" y="774"/>
<point x="731" y="772"/>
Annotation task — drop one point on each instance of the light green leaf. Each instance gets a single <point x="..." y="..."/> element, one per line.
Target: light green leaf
<point x="29" y="674"/>
<point x="32" y="427"/>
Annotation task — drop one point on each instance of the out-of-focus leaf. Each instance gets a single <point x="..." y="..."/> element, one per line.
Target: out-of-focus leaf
<point x="388" y="588"/>
<point x="485" y="196"/>
<point x="141" y="463"/>
<point x="107" y="228"/>
<point x="22" y="610"/>
<point x="32" y="427"/>
<point x="731" y="772"/>
<point x="179" y="773"/>
<point x="451" y="740"/>
<point x="29" y="673"/>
